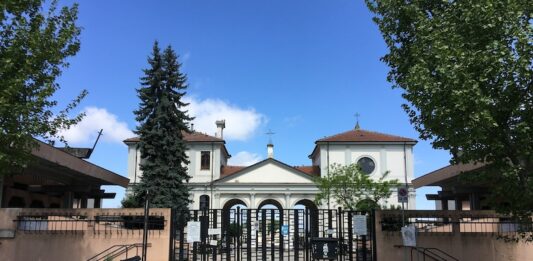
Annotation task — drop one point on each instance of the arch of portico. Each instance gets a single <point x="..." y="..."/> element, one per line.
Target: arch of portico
<point x="256" y="200"/>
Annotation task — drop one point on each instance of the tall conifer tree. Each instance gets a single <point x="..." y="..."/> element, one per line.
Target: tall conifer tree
<point x="163" y="121"/>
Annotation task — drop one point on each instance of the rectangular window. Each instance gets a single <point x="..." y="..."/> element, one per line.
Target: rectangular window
<point x="205" y="161"/>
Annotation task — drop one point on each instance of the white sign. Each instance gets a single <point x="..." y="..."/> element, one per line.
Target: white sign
<point x="403" y="194"/>
<point x="213" y="242"/>
<point x="193" y="231"/>
<point x="214" y="231"/>
<point x="359" y="225"/>
<point x="409" y="235"/>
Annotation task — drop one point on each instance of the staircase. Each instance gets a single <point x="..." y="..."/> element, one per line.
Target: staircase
<point x="116" y="251"/>
<point x="428" y="253"/>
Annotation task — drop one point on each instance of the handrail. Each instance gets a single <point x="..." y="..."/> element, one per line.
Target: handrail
<point x="429" y="249"/>
<point x="431" y="252"/>
<point x="114" y="251"/>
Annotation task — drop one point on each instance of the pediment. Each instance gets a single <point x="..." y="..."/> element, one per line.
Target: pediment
<point x="269" y="171"/>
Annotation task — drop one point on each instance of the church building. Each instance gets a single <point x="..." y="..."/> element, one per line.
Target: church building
<point x="271" y="182"/>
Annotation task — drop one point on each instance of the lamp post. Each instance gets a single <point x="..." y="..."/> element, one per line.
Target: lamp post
<point x="145" y="230"/>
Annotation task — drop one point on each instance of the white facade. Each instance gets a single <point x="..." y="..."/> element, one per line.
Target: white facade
<point x="275" y="183"/>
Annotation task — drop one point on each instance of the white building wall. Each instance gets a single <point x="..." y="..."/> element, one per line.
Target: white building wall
<point x="134" y="159"/>
<point x="387" y="157"/>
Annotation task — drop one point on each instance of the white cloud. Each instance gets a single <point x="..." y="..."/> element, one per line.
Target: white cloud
<point x="241" y="123"/>
<point x="86" y="130"/>
<point x="244" y="158"/>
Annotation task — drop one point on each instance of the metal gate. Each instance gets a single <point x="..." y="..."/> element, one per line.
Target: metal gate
<point x="271" y="234"/>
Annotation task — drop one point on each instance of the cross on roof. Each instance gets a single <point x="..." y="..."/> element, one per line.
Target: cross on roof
<point x="357" y="127"/>
<point x="270" y="133"/>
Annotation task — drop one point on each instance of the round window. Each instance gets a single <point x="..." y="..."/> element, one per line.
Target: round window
<point x="366" y="164"/>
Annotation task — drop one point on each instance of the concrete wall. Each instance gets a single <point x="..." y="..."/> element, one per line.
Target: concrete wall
<point x="88" y="240"/>
<point x="463" y="245"/>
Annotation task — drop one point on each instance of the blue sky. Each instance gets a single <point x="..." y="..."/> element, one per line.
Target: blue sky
<point x="302" y="68"/>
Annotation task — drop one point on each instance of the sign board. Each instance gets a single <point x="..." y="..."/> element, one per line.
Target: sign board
<point x="214" y="231"/>
<point x="285" y="230"/>
<point x="403" y="194"/>
<point x="213" y="242"/>
<point x="193" y="231"/>
<point x="359" y="225"/>
<point x="409" y="235"/>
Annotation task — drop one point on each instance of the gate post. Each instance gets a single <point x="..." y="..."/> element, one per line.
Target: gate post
<point x="350" y="236"/>
<point x="249" y="234"/>
<point x="172" y="237"/>
<point x="281" y="243"/>
<point x="272" y="235"/>
<point x="296" y="236"/>
<point x="373" y="235"/>
<point x="182" y="236"/>
<point x="263" y="234"/>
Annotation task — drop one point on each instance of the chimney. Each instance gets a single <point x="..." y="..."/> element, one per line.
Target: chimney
<point x="270" y="150"/>
<point x="221" y="124"/>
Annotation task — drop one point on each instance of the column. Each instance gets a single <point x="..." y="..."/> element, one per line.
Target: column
<point x="287" y="200"/>
<point x="216" y="201"/>
<point x="252" y="201"/>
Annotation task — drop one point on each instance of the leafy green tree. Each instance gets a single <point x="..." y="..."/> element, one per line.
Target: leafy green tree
<point x="163" y="121"/>
<point x="34" y="46"/>
<point x="352" y="189"/>
<point x="466" y="68"/>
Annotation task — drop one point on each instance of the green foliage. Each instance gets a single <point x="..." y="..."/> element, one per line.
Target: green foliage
<point x="129" y="202"/>
<point x="163" y="121"/>
<point x="466" y="68"/>
<point x="352" y="189"/>
<point x="34" y="46"/>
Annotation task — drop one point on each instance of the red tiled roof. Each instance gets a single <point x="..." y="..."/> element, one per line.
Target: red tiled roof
<point x="230" y="170"/>
<point x="309" y="170"/>
<point x="359" y="135"/>
<point x="193" y="137"/>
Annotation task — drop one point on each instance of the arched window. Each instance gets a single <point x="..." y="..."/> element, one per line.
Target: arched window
<point x="205" y="161"/>
<point x="204" y="202"/>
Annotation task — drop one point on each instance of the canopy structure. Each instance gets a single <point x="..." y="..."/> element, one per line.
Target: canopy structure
<point x="464" y="193"/>
<point x="57" y="179"/>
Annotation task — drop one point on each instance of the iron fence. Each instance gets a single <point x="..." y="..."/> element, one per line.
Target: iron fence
<point x="448" y="222"/>
<point x="270" y="234"/>
<point x="115" y="223"/>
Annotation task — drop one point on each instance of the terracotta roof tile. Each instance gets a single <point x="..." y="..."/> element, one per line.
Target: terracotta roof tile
<point x="364" y="136"/>
<point x="309" y="170"/>
<point x="195" y="136"/>
<point x="229" y="170"/>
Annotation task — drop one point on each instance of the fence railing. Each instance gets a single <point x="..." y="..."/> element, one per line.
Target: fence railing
<point x="104" y="223"/>
<point x="447" y="222"/>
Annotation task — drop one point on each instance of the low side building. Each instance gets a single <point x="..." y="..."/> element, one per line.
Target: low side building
<point x="56" y="178"/>
<point x="458" y="192"/>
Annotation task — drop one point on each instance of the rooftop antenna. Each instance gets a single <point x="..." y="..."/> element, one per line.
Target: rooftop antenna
<point x="357" y="127"/>
<point x="96" y="141"/>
